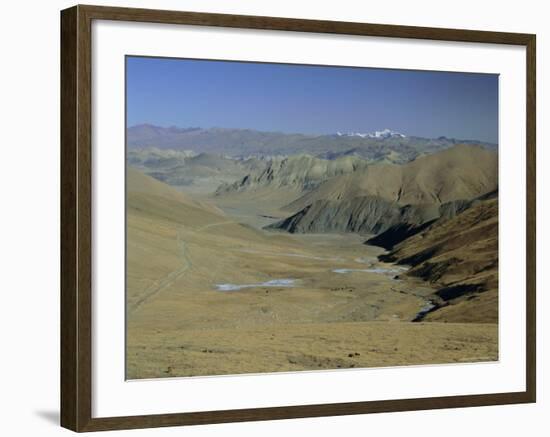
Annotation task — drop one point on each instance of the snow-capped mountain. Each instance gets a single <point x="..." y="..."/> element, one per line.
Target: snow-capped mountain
<point x="386" y="133"/>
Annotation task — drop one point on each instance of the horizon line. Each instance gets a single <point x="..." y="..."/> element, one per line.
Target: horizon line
<point x="304" y="133"/>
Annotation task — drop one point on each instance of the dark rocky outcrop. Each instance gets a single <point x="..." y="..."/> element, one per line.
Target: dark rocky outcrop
<point x="365" y="214"/>
<point x="400" y="232"/>
<point x="459" y="257"/>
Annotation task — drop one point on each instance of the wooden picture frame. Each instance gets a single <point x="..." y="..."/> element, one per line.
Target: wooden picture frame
<point x="76" y="217"/>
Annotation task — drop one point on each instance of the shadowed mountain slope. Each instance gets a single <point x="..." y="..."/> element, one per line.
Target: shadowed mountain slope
<point x="364" y="214"/>
<point x="402" y="196"/>
<point x="460" y="257"/>
<point x="397" y="233"/>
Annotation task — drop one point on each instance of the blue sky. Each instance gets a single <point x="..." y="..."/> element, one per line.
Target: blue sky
<point x="310" y="99"/>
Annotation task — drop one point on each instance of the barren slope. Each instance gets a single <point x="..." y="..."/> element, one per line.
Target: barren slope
<point x="403" y="196"/>
<point x="460" y="257"/>
<point x="298" y="172"/>
<point x="461" y="172"/>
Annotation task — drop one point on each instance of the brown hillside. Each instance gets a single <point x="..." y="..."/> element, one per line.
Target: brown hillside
<point x="461" y="172"/>
<point x="460" y="257"/>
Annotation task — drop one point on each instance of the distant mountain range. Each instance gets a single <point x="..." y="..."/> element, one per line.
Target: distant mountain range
<point x="381" y="146"/>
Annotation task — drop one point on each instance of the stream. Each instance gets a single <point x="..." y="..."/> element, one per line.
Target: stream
<point x="290" y="282"/>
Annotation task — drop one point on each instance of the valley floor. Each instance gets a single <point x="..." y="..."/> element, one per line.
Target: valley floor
<point x="208" y="295"/>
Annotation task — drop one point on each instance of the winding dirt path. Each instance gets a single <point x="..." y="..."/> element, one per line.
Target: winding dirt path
<point x="169" y="279"/>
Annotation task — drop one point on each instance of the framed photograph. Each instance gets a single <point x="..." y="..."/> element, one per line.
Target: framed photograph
<point x="268" y="218"/>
